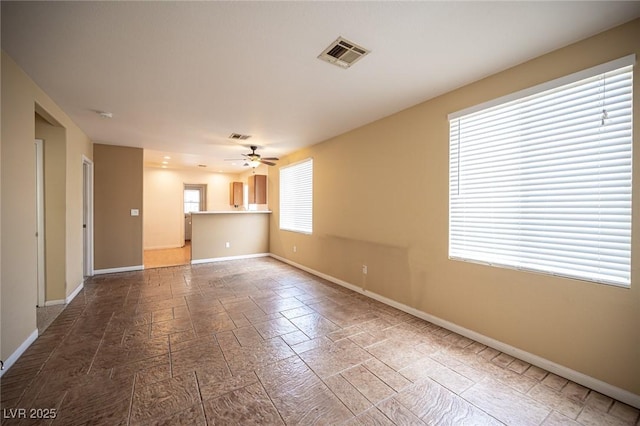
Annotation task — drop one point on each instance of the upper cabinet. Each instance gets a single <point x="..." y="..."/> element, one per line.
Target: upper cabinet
<point x="258" y="189"/>
<point x="236" y="195"/>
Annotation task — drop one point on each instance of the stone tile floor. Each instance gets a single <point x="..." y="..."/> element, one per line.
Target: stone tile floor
<point x="259" y="342"/>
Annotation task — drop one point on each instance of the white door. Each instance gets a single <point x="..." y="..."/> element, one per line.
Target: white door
<point x="87" y="217"/>
<point x="41" y="281"/>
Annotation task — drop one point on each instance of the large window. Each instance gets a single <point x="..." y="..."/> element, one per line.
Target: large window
<point x="541" y="180"/>
<point x="296" y="197"/>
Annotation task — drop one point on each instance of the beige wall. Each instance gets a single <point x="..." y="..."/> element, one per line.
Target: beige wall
<point x="246" y="233"/>
<point x="163" y="198"/>
<point x="118" y="177"/>
<point x="55" y="206"/>
<point x="20" y="96"/>
<point x="381" y="199"/>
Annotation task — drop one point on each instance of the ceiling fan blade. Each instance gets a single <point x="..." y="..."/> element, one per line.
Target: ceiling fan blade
<point x="268" y="163"/>
<point x="234" y="159"/>
<point x="270" y="158"/>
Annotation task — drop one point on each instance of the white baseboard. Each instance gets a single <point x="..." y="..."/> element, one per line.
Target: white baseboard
<point x="74" y="293"/>
<point x="54" y="302"/>
<point x="222" y="259"/>
<point x="560" y="370"/>
<point x="115" y="270"/>
<point x="18" y="352"/>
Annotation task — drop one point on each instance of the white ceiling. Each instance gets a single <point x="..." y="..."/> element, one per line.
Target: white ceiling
<point x="179" y="77"/>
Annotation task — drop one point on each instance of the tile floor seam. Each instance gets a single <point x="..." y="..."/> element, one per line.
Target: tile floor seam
<point x="200" y="393"/>
<point x="60" y="405"/>
<point x="473" y="405"/>
<point x="224" y="356"/>
<point x="269" y="395"/>
<point x="93" y="359"/>
<point x="387" y="416"/>
<point x="509" y="388"/>
<point x="485" y="411"/>
<point x="171" y="359"/>
<point x="133" y="392"/>
<point x="579" y="412"/>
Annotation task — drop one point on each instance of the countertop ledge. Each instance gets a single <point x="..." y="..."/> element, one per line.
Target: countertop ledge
<point x="231" y="212"/>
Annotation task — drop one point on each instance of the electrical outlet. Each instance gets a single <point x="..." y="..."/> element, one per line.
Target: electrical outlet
<point x="227" y="244"/>
<point x="364" y="269"/>
<point x="295" y="249"/>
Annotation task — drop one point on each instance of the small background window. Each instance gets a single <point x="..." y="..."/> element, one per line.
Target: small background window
<point x="195" y="198"/>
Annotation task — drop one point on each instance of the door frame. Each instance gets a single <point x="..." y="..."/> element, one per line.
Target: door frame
<point x="87" y="217"/>
<point x="41" y="281"/>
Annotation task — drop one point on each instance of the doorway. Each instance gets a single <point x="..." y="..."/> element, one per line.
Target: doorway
<point x="50" y="170"/>
<point x="45" y="313"/>
<point x="194" y="200"/>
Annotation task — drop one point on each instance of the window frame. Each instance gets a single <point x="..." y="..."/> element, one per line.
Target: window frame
<point x="202" y="189"/>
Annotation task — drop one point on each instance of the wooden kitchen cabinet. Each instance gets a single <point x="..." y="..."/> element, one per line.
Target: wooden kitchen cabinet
<point x="258" y="189"/>
<point x="236" y="194"/>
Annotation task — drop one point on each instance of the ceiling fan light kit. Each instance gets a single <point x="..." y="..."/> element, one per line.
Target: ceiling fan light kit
<point x="254" y="160"/>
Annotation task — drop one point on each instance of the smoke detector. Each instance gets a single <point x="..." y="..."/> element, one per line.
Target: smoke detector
<point x="343" y="53"/>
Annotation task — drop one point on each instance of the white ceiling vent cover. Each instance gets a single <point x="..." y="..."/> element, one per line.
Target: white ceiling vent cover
<point x="343" y="53"/>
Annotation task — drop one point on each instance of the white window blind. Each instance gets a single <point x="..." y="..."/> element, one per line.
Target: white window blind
<point x="296" y="197"/>
<point x="543" y="182"/>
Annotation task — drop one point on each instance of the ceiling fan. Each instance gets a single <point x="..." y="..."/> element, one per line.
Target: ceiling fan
<point x="254" y="159"/>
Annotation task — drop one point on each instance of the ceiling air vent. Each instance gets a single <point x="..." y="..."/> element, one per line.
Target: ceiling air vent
<point x="343" y="53"/>
<point x="238" y="136"/>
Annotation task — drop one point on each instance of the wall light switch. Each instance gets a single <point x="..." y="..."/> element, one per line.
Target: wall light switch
<point x="135" y="212"/>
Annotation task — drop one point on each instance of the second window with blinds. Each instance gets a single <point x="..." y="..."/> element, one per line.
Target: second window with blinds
<point x="296" y="197"/>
